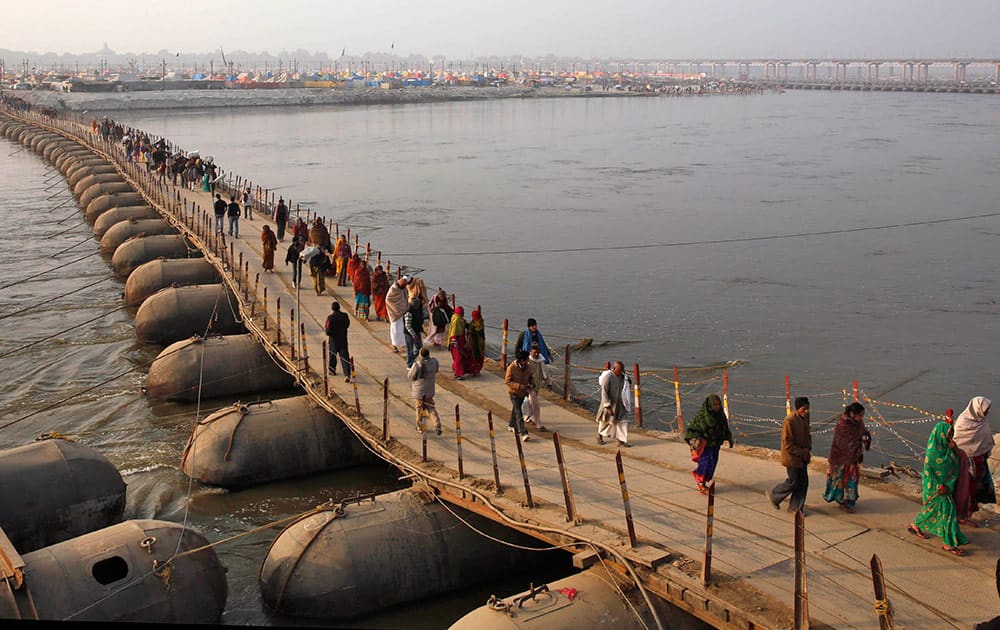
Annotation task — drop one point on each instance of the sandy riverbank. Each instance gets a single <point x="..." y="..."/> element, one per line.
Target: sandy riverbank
<point x="201" y="99"/>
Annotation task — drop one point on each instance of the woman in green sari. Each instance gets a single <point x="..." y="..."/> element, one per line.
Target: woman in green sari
<point x="705" y="434"/>
<point x="941" y="470"/>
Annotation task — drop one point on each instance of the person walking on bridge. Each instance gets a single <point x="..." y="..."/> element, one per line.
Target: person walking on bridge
<point x="233" y="210"/>
<point x="850" y="441"/>
<point x="281" y="218"/>
<point x="422" y="375"/>
<point x="796" y="451"/>
<point x="380" y="284"/>
<point x="518" y="380"/>
<point x="531" y="335"/>
<point x="539" y="375"/>
<point x="413" y="329"/>
<point x="612" y="419"/>
<point x="220" y="207"/>
<point x="974" y="438"/>
<point x="336" y="327"/>
<point x="941" y="472"/>
<point x="396" y="304"/>
<point x="247" y="205"/>
<point x="706" y="433"/>
<point x="270" y="243"/>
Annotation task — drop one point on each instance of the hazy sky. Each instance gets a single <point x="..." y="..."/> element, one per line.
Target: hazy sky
<point x="586" y="28"/>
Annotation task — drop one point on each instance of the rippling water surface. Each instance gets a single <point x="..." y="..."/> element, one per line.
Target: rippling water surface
<point x="614" y="219"/>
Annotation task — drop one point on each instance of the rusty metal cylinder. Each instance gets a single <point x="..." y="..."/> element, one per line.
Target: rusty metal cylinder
<point x="121" y="574"/>
<point x="150" y="277"/>
<point x="251" y="444"/>
<point x="104" y="203"/>
<point x="92" y="178"/>
<point x="54" y="490"/>
<point x="113" y="216"/>
<point x="587" y="599"/>
<point x="70" y="161"/>
<point x="124" y="230"/>
<point x="177" y="313"/>
<point x="214" y="367"/>
<point x="102" y="188"/>
<point x="402" y="547"/>
<point x="137" y="251"/>
<point x="80" y="174"/>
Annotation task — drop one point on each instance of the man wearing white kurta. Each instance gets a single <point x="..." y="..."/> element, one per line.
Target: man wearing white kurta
<point x="612" y="419"/>
<point x="396" y="303"/>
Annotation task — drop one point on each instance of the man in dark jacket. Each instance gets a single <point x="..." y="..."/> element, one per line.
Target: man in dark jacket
<point x="220" y="212"/>
<point x="336" y="327"/>
<point x="796" y="451"/>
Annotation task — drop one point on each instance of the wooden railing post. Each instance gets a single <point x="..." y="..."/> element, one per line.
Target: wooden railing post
<point x="801" y="612"/>
<point x="567" y="394"/>
<point x="503" y="347"/>
<point x="706" y="566"/>
<point x="524" y="470"/>
<point x="628" y="507"/>
<point x="564" y="476"/>
<point x="385" y="409"/>
<point x="883" y="607"/>
<point x="458" y="442"/>
<point x="493" y="451"/>
<point x="677" y="401"/>
<point x="638" y="404"/>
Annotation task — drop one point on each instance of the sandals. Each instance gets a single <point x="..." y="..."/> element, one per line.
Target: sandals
<point x="955" y="551"/>
<point x="702" y="488"/>
<point x="916" y="531"/>
<point x="969" y="523"/>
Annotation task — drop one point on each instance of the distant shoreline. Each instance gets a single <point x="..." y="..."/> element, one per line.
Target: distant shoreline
<point x="203" y="99"/>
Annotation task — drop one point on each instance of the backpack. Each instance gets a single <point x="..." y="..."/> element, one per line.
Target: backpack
<point x="439" y="317"/>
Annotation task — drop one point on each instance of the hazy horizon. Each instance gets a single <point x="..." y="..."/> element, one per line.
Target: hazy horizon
<point x="641" y="29"/>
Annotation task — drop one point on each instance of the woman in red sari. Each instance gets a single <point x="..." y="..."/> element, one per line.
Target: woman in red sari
<point x="456" y="342"/>
<point x="362" y="291"/>
<point x="380" y="285"/>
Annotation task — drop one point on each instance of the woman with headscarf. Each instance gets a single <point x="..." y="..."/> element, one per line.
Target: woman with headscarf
<point x="441" y="314"/>
<point x="941" y="472"/>
<point x="362" y="290"/>
<point x="319" y="235"/>
<point x="456" y="343"/>
<point x="850" y="440"/>
<point x="270" y="243"/>
<point x="705" y="433"/>
<point x="353" y="263"/>
<point x="380" y="284"/>
<point x="300" y="230"/>
<point x="974" y="438"/>
<point x="341" y="253"/>
<point x="476" y="332"/>
<point x="417" y="288"/>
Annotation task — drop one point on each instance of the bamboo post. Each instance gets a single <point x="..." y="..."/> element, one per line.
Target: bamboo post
<point x="706" y="565"/>
<point x="291" y="331"/>
<point x="677" y="401"/>
<point x="524" y="470"/>
<point x="246" y="280"/>
<point x="277" y="322"/>
<point x="326" y="370"/>
<point x="801" y="617"/>
<point x="855" y="387"/>
<point x="458" y="442"/>
<point x="264" y="314"/>
<point x="385" y="409"/>
<point x="566" y="376"/>
<point x="725" y="392"/>
<point x="240" y="268"/>
<point x="638" y="404"/>
<point x="503" y="348"/>
<point x="788" y="395"/>
<point x="493" y="451"/>
<point x="305" y="349"/>
<point x="256" y="289"/>
<point x="628" y="508"/>
<point x="883" y="607"/>
<point x="354" y="383"/>
<point x="564" y="476"/>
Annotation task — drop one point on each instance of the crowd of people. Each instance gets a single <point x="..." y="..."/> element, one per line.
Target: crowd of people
<point x="956" y="478"/>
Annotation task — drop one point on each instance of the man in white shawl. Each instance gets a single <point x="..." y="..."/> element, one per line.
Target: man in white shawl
<point x="974" y="436"/>
<point x="616" y="403"/>
<point x="396" y="304"/>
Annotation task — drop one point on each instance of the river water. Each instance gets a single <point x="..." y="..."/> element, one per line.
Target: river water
<point x="654" y="224"/>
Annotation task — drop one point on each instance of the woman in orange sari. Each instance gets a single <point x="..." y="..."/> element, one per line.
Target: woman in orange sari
<point x="270" y="242"/>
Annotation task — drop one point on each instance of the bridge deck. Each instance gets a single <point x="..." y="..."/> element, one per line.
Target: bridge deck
<point x="753" y="543"/>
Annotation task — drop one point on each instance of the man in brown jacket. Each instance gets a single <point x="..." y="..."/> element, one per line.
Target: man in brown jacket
<point x="519" y="381"/>
<point x="796" y="451"/>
